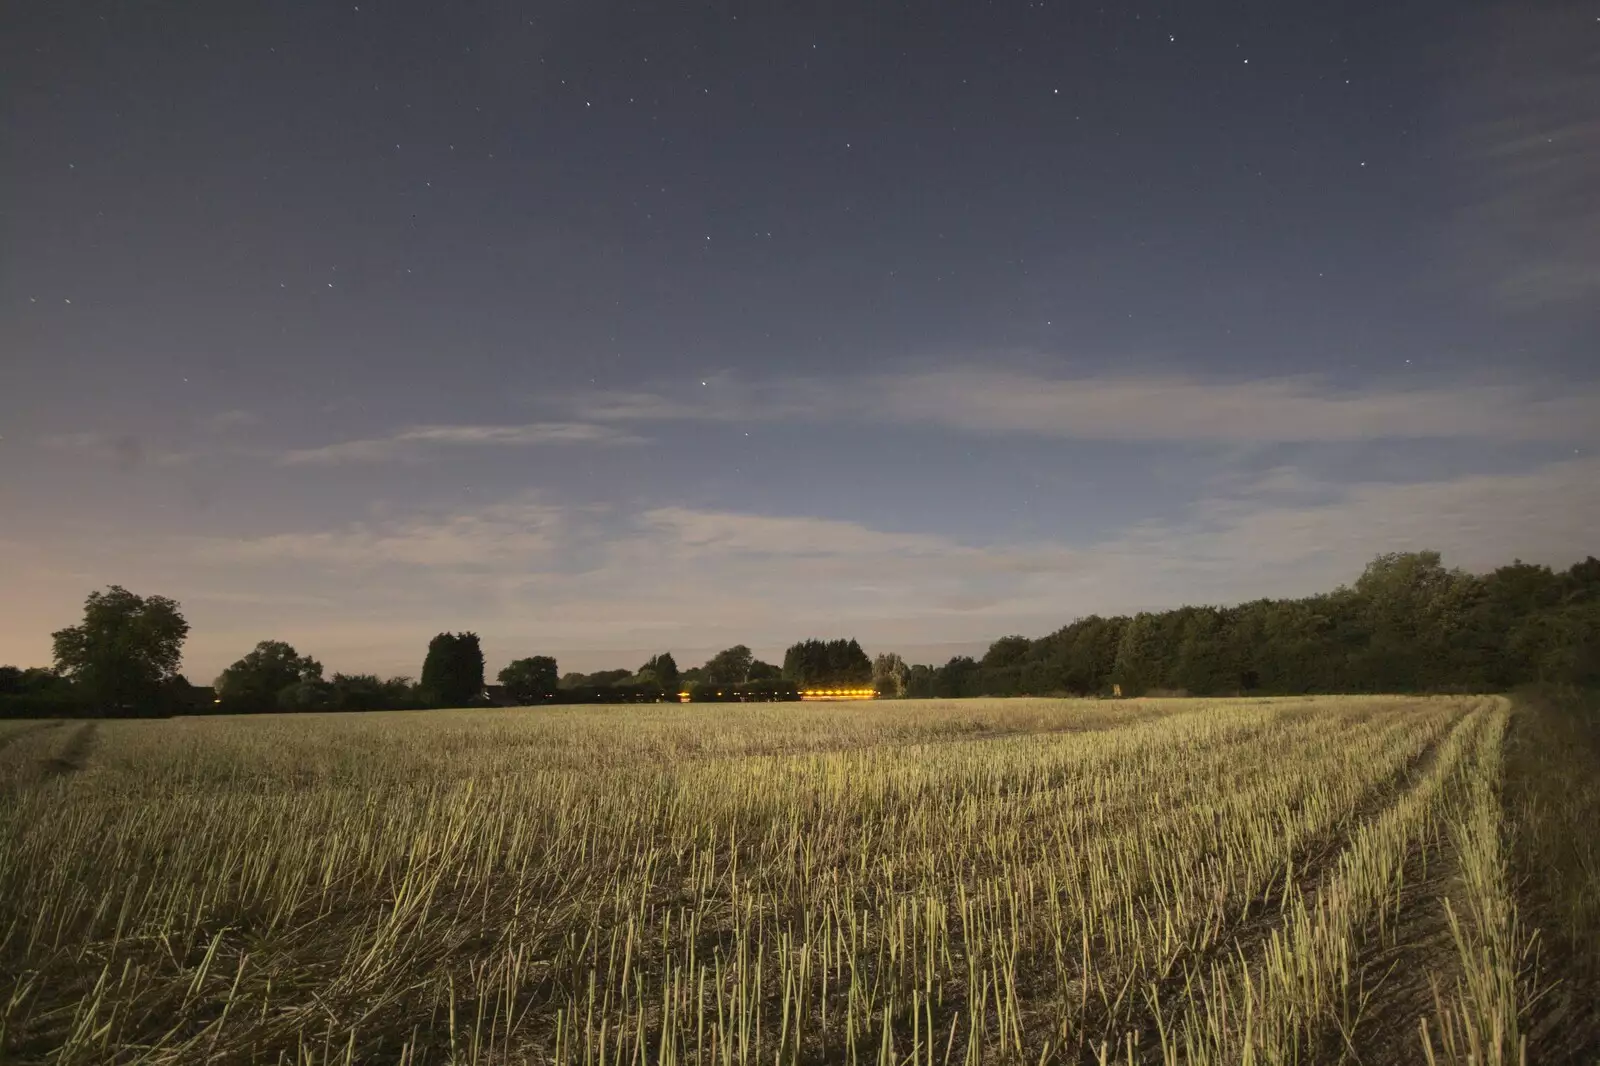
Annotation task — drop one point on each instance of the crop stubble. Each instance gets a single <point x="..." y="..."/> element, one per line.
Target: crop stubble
<point x="999" y="881"/>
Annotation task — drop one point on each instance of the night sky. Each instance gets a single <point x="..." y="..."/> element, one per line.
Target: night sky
<point x="605" y="329"/>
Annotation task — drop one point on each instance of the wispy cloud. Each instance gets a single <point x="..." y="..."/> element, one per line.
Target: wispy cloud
<point x="417" y="440"/>
<point x="541" y="576"/>
<point x="1171" y="408"/>
<point x="1180" y="409"/>
<point x="730" y="532"/>
<point x="1545" y="514"/>
<point x="224" y="421"/>
<point x="726" y="399"/>
<point x="1532" y="157"/>
<point x="518" y="534"/>
<point x="126" y="451"/>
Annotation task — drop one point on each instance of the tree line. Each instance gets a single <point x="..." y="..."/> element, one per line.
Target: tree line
<point x="1407" y="624"/>
<point x="123" y="660"/>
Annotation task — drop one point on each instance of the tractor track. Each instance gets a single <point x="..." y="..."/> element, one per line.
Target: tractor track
<point x="74" y="755"/>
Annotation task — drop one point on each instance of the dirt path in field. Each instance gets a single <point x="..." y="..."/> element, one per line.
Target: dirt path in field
<point x="74" y="755"/>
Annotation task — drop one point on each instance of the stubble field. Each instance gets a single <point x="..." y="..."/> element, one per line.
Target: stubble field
<point x="1184" y="881"/>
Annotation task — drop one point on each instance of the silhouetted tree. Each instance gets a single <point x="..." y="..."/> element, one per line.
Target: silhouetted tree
<point x="661" y="670"/>
<point x="958" y="678"/>
<point x="39" y="693"/>
<point x="820" y="663"/>
<point x="889" y="675"/>
<point x="763" y="672"/>
<point x="125" y="654"/>
<point x="312" y="694"/>
<point x="729" y="667"/>
<point x="367" y="692"/>
<point x="1412" y="610"/>
<point x="1138" y="664"/>
<point x="452" y="673"/>
<point x="254" y="684"/>
<point x="531" y="680"/>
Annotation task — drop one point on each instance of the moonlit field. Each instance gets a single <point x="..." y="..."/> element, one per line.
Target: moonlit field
<point x="1181" y="881"/>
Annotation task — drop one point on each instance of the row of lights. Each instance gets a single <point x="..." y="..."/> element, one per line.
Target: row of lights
<point x="818" y="694"/>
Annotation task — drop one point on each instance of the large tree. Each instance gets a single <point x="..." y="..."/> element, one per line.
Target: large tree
<point x="368" y="692"/>
<point x="827" y="662"/>
<point x="661" y="670"/>
<point x="262" y="680"/>
<point x="125" y="653"/>
<point x="530" y="680"/>
<point x="889" y="675"/>
<point x="452" y="674"/>
<point x="310" y="695"/>
<point x="1415" y="614"/>
<point x="1006" y="652"/>
<point x="762" y="671"/>
<point x="958" y="678"/>
<point x="729" y="667"/>
<point x="1002" y="664"/>
<point x="1138" y="663"/>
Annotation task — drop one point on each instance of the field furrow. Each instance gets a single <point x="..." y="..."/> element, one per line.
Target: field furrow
<point x="1299" y="993"/>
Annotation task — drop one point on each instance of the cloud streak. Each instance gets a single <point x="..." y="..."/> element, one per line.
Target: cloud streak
<point x="418" y="440"/>
<point x="125" y="451"/>
<point x="1170" y="408"/>
<point x="512" y="534"/>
